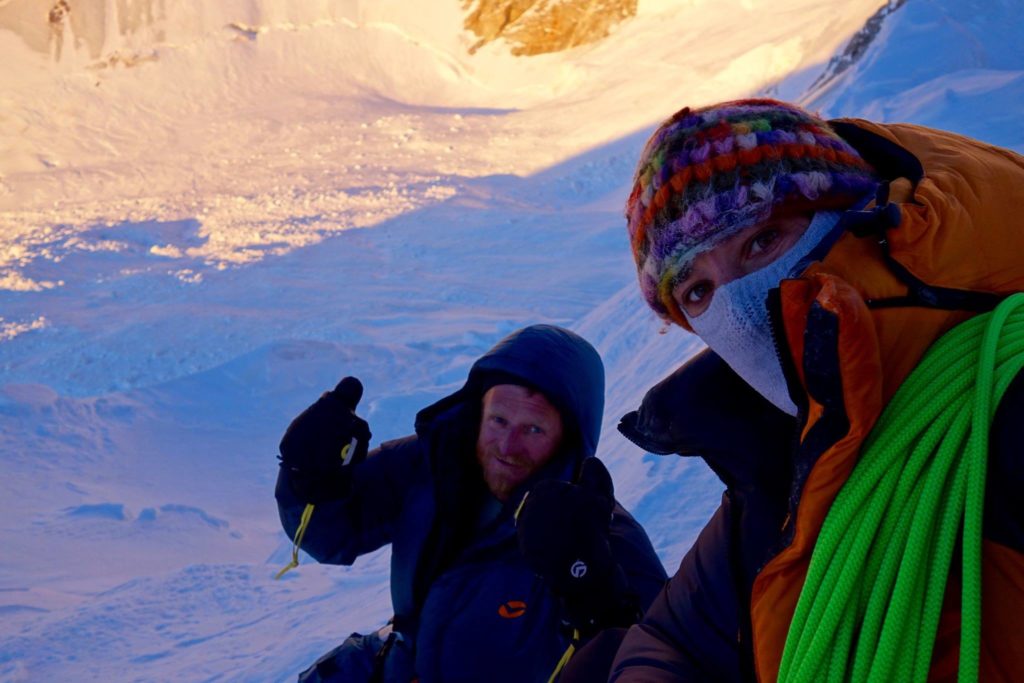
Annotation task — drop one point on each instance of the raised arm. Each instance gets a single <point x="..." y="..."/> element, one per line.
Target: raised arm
<point x="351" y="500"/>
<point x="363" y="517"/>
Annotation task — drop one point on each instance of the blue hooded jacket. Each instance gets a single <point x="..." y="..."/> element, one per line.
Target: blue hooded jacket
<point x="467" y="604"/>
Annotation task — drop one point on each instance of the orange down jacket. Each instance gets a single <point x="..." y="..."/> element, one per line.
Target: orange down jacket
<point x="943" y="241"/>
<point x="952" y="228"/>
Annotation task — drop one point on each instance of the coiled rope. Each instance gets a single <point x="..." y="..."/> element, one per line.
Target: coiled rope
<point x="869" y="609"/>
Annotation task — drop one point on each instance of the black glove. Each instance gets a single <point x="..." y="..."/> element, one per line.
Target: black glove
<point x="324" y="442"/>
<point x="563" y="532"/>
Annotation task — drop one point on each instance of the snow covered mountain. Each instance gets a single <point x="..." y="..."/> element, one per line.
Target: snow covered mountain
<point x="211" y="211"/>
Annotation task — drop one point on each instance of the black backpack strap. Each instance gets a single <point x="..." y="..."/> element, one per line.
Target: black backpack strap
<point x="874" y="223"/>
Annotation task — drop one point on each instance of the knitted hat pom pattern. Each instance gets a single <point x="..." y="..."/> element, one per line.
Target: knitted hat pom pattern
<point x="708" y="173"/>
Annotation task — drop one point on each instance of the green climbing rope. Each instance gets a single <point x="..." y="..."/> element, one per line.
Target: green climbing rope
<point x="869" y="609"/>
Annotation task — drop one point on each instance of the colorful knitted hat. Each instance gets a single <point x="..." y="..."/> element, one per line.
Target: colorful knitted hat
<point x="708" y="173"/>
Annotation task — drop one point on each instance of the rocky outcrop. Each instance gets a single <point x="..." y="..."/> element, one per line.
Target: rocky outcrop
<point x="94" y="28"/>
<point x="857" y="46"/>
<point x="534" y="27"/>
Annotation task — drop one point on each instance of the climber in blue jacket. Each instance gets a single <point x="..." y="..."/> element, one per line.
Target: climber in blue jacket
<point x="508" y="548"/>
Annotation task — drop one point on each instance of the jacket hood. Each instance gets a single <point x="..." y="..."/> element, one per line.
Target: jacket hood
<point x="560" y="364"/>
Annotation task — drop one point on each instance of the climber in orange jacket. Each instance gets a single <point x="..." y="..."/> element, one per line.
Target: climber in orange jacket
<point x="818" y="261"/>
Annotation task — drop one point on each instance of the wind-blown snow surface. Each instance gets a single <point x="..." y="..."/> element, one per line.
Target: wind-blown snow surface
<point x="194" y="247"/>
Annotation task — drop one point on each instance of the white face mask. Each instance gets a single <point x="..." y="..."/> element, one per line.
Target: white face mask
<point x="735" y="324"/>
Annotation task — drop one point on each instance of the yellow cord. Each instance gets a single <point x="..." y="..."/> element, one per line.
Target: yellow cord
<point x="519" y="508"/>
<point x="569" y="651"/>
<point x="299" y="533"/>
<point x="307" y="513"/>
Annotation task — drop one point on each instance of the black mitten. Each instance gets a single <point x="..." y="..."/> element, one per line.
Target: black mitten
<point x="563" y="532"/>
<point x="324" y="442"/>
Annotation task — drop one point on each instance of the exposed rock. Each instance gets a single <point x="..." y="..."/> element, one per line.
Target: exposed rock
<point x="91" y="27"/>
<point x="534" y="27"/>
<point x="858" y="45"/>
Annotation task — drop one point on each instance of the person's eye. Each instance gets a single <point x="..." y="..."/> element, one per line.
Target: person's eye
<point x="498" y="420"/>
<point x="534" y="429"/>
<point x="763" y="242"/>
<point x="698" y="292"/>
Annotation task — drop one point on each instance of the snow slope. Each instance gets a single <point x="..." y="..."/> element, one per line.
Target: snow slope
<point x="952" y="65"/>
<point x="273" y="195"/>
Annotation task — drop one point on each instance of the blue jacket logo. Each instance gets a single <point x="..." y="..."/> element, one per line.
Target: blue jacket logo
<point x="512" y="609"/>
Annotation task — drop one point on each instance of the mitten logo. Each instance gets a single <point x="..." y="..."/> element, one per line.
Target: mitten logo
<point x="512" y="609"/>
<point x="578" y="569"/>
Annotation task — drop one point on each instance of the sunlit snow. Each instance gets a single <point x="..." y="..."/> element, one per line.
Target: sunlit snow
<point x="210" y="214"/>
